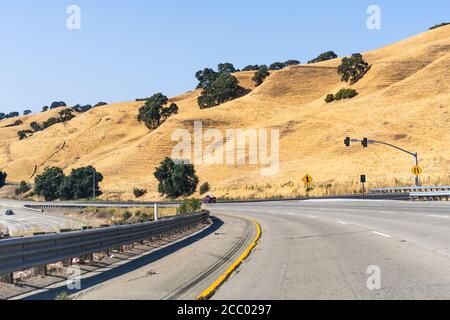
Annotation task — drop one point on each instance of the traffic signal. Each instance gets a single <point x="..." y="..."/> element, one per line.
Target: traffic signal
<point x="365" y="142"/>
<point x="347" y="141"/>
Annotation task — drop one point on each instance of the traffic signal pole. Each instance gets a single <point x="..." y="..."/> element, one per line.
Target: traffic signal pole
<point x="366" y="141"/>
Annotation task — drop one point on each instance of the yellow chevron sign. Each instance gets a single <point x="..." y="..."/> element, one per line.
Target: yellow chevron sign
<point x="417" y="171"/>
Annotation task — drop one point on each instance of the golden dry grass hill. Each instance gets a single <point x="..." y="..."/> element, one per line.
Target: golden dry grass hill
<point x="404" y="99"/>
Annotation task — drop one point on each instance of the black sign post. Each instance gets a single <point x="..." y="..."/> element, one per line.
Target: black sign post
<point x="363" y="182"/>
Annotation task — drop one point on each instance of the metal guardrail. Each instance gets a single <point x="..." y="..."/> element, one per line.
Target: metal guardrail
<point x="410" y="189"/>
<point x="41" y="206"/>
<point x="430" y="196"/>
<point x="24" y="253"/>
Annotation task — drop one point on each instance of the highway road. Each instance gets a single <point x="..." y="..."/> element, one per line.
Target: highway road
<point x="317" y="249"/>
<point x="25" y="221"/>
<point x="331" y="249"/>
<point x="178" y="270"/>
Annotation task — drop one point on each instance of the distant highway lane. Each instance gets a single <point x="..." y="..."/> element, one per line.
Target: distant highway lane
<point x="329" y="249"/>
<point x="26" y="221"/>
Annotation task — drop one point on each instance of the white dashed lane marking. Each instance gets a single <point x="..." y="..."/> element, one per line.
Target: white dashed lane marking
<point x="382" y="234"/>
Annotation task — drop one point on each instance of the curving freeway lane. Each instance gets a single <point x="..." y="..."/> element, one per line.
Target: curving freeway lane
<point x="26" y="221"/>
<point x="330" y="249"/>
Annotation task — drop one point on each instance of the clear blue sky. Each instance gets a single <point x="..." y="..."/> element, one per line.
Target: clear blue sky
<point x="131" y="49"/>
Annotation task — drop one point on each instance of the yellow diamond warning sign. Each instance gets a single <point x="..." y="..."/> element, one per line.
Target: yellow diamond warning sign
<point x="308" y="179"/>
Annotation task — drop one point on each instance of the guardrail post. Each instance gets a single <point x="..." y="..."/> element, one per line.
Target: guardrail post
<point x="40" y="271"/>
<point x="88" y="257"/>
<point x="67" y="262"/>
<point x="155" y="211"/>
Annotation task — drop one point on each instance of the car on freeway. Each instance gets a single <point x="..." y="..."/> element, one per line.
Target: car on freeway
<point x="209" y="199"/>
<point x="9" y="212"/>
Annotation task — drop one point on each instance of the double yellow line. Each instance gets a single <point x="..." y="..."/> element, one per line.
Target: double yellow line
<point x="212" y="289"/>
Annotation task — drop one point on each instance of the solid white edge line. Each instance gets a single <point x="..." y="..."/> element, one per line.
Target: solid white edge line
<point x="437" y="216"/>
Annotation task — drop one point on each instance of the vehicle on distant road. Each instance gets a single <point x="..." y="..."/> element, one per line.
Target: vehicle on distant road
<point x="209" y="199"/>
<point x="9" y="212"/>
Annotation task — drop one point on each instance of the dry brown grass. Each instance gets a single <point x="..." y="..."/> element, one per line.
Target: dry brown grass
<point x="404" y="99"/>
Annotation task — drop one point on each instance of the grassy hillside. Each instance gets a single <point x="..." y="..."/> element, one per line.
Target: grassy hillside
<point x="404" y="99"/>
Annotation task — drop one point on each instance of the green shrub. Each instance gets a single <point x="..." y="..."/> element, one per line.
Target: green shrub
<point x="35" y="126"/>
<point x="189" y="206"/>
<point x="126" y="215"/>
<point x="139" y="192"/>
<point x="345" y="94"/>
<point x="14" y="124"/>
<point x="63" y="296"/>
<point x="329" y="98"/>
<point x="22" y="188"/>
<point x="23" y="134"/>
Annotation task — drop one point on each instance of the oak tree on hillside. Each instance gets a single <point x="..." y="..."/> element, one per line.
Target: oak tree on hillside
<point x="329" y="55"/>
<point x="251" y="68"/>
<point x="3" y="176"/>
<point x="205" y="77"/>
<point x="225" y="88"/>
<point x="226" y="68"/>
<point x="277" y="66"/>
<point x="154" y="112"/>
<point x="48" y="184"/>
<point x="176" y="179"/>
<point x="261" y="75"/>
<point x="80" y="183"/>
<point x="440" y="25"/>
<point x="57" y="104"/>
<point x="353" y="69"/>
<point x="99" y="104"/>
<point x="292" y="62"/>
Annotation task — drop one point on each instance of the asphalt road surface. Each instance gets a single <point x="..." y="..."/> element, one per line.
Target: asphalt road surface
<point x="318" y="249"/>
<point x="337" y="249"/>
<point x="25" y="221"/>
